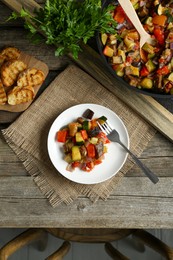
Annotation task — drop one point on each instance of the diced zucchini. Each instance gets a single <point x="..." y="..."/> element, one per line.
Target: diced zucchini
<point x="102" y="119"/>
<point x="76" y="155"/>
<point x="170" y="77"/>
<point x="104" y="38"/>
<point x="148" y="21"/>
<point x="129" y="43"/>
<point x="170" y="26"/>
<point x="148" y="48"/>
<point x="93" y="140"/>
<point x="117" y="60"/>
<point x="136" y="6"/>
<point x="131" y="70"/>
<point x="160" y="9"/>
<point x="79" y="138"/>
<point x="120" y="69"/>
<point x="146" y="83"/>
<point x="113" y="39"/>
<point x="86" y="125"/>
<point x="150" y="56"/>
<point x="73" y="128"/>
<point x="122" y="54"/>
<point x="150" y="65"/>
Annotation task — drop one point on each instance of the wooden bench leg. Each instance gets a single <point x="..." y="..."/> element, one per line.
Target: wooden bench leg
<point x="61" y="252"/>
<point x="25" y="238"/>
<point x="154" y="243"/>
<point x="114" y="253"/>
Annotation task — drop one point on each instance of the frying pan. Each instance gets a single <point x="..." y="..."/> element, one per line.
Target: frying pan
<point x="100" y="47"/>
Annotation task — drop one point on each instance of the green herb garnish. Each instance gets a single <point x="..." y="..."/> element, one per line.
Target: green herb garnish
<point x="66" y="23"/>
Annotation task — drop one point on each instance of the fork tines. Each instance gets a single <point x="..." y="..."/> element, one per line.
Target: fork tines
<point x="106" y="128"/>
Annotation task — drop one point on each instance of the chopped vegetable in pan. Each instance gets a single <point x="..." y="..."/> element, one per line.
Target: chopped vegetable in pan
<point x="152" y="67"/>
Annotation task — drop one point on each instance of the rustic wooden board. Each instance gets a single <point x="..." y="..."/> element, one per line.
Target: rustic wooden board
<point x="91" y="62"/>
<point x="31" y="63"/>
<point x="16" y="5"/>
<point x="27" y="205"/>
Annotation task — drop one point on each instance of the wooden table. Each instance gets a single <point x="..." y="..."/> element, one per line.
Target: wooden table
<point x="136" y="203"/>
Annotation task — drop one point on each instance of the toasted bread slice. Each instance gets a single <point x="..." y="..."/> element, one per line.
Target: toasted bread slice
<point x="20" y="95"/>
<point x="32" y="76"/>
<point x="9" y="53"/>
<point x="10" y="71"/>
<point x="3" y="95"/>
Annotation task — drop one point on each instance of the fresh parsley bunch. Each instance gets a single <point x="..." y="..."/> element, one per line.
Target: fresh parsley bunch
<point x="66" y="23"/>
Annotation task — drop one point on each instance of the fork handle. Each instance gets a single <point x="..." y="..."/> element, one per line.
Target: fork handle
<point x="145" y="169"/>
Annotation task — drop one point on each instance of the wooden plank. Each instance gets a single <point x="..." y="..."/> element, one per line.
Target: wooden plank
<point x="145" y="106"/>
<point x="26" y="205"/>
<point x="16" y="5"/>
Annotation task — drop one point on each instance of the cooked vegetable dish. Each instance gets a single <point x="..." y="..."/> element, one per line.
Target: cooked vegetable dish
<point x="150" y="68"/>
<point x="84" y="144"/>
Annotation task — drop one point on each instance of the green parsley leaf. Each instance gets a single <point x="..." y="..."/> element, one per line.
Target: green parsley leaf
<point x="67" y="23"/>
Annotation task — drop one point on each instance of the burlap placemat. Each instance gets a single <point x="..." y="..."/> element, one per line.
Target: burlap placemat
<point x="27" y="136"/>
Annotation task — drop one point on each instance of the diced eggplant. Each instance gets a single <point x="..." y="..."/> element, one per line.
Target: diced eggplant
<point x="68" y="146"/>
<point x="83" y="151"/>
<point x="88" y="114"/>
<point x="99" y="149"/>
<point x="80" y="120"/>
<point x="68" y="158"/>
<point x="94" y="132"/>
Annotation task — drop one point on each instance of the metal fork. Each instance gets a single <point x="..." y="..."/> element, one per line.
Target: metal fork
<point x="113" y="136"/>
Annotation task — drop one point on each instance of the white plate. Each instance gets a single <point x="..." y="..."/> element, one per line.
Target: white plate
<point x="114" y="159"/>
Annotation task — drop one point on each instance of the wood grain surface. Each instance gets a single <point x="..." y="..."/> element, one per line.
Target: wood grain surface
<point x="135" y="203"/>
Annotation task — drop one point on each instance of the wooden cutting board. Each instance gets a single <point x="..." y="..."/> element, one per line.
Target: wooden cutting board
<point x="31" y="63"/>
<point x="149" y="109"/>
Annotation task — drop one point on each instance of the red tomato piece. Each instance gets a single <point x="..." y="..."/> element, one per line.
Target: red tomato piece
<point x="62" y="136"/>
<point x="163" y="71"/>
<point x="104" y="137"/>
<point x="84" y="134"/>
<point x="144" y="71"/>
<point x="119" y="14"/>
<point x="159" y="34"/>
<point x="75" y="164"/>
<point x="91" y="150"/>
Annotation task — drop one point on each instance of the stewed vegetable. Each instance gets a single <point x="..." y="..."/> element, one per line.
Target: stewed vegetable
<point x="84" y="144"/>
<point x="151" y="67"/>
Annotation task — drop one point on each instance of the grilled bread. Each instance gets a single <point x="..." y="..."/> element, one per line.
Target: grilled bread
<point x="20" y="95"/>
<point x="3" y="95"/>
<point x="10" y="71"/>
<point x="9" y="53"/>
<point x="32" y="77"/>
